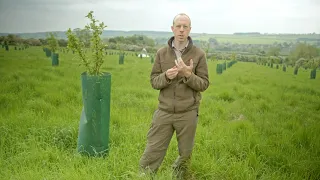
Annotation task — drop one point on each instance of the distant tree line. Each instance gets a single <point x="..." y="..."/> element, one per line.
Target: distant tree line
<point x="128" y="43"/>
<point x="301" y="53"/>
<point x="131" y="43"/>
<point x="246" y="33"/>
<point x="14" y="40"/>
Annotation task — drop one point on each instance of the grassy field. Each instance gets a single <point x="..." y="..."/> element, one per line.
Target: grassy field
<point x="255" y="122"/>
<point x="246" y="39"/>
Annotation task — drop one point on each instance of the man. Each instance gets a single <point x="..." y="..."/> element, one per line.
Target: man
<point x="180" y="72"/>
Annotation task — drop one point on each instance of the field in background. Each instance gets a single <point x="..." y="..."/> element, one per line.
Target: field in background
<point x="232" y="38"/>
<point x="255" y="122"/>
<point x="255" y="39"/>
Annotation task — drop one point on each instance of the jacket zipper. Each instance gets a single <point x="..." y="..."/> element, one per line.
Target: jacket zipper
<point x="174" y="91"/>
<point x="175" y="88"/>
<point x="174" y="101"/>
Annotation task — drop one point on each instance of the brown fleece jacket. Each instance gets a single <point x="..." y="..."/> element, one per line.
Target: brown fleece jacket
<point x="179" y="94"/>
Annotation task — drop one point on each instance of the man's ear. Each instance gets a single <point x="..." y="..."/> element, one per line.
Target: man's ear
<point x="172" y="27"/>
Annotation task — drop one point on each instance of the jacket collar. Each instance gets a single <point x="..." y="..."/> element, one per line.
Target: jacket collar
<point x="190" y="44"/>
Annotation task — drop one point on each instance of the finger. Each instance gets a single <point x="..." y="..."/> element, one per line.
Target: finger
<point x="176" y="62"/>
<point x="181" y="63"/>
<point x="172" y="71"/>
<point x="191" y="63"/>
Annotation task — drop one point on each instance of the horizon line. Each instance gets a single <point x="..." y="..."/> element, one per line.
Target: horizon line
<point x="248" y="32"/>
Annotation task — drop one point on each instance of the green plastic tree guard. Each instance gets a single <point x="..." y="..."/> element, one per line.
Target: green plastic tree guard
<point x="93" y="138"/>
<point x="55" y="59"/>
<point x="48" y="53"/>
<point x="284" y="68"/>
<point x="152" y="60"/>
<point x="121" y="58"/>
<point x="219" y="69"/>
<point x="295" y="71"/>
<point x="313" y="73"/>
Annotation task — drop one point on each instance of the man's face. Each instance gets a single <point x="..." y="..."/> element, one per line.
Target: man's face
<point x="181" y="28"/>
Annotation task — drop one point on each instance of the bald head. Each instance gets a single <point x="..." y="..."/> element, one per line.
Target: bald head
<point x="181" y="15"/>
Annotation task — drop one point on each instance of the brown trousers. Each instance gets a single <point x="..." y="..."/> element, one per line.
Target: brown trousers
<point x="159" y="136"/>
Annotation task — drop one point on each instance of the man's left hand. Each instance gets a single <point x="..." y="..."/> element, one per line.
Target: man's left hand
<point x="183" y="68"/>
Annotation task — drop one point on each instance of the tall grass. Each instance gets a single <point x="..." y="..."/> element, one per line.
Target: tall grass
<point x="255" y="122"/>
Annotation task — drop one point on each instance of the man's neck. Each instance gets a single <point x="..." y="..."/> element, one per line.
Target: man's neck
<point x="180" y="45"/>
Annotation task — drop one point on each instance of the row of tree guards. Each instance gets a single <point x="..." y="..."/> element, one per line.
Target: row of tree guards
<point x="66" y="50"/>
<point x="54" y="56"/>
<point x="6" y="47"/>
<point x="313" y="72"/>
<point x="223" y="66"/>
<point x="121" y="58"/>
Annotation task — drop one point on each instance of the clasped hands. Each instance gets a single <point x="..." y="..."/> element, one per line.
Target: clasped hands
<point x="180" y="68"/>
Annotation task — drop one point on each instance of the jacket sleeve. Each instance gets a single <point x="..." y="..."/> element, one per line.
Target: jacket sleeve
<point x="199" y="81"/>
<point x="158" y="78"/>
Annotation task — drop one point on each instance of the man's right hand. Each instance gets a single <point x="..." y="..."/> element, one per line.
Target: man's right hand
<point x="172" y="72"/>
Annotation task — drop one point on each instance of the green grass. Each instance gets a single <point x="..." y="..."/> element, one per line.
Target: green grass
<point x="255" y="122"/>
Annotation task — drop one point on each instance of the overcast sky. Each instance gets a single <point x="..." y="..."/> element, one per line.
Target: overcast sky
<point x="207" y="16"/>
